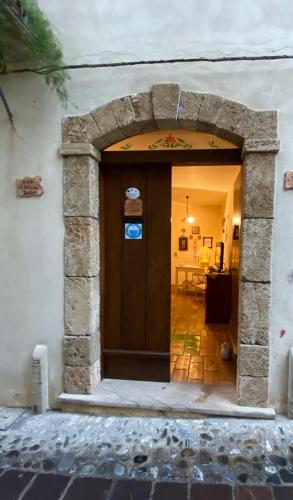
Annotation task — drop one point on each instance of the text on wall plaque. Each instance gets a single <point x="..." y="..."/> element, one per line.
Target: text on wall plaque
<point x="29" y="186"/>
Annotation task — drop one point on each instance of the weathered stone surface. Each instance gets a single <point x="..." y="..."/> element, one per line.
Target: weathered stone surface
<point x="81" y="351"/>
<point x="253" y="360"/>
<point x="253" y="391"/>
<point x="79" y="129"/>
<point x="125" y="116"/>
<point x="258" y="125"/>
<point x="209" y="113"/>
<point x="256" y="250"/>
<point x="81" y="246"/>
<point x="166" y="104"/>
<point x="82" y="308"/>
<point x="143" y="109"/>
<point x="260" y="146"/>
<point x="81" y="186"/>
<point x="108" y="127"/>
<point x="258" y="185"/>
<point x="189" y="107"/>
<point x="80" y="149"/>
<point x="254" y="313"/>
<point x="81" y="379"/>
<point x="226" y="124"/>
<point x="265" y="125"/>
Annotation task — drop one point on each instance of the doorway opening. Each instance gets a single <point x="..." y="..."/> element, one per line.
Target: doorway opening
<point x="206" y="129"/>
<point x="206" y="217"/>
<point x="167" y="252"/>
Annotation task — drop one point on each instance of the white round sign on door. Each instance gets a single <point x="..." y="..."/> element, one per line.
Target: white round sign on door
<point x="132" y="193"/>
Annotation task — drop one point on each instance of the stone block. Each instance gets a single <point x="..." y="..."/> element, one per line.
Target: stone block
<point x="260" y="146"/>
<point x="258" y="125"/>
<point x="108" y="127"/>
<point x="81" y="186"/>
<point x="80" y="149"/>
<point x="143" y="109"/>
<point x="81" y="351"/>
<point x="264" y="126"/>
<point x="189" y="108"/>
<point x="253" y="391"/>
<point x="254" y="313"/>
<point x="226" y="125"/>
<point x="165" y="98"/>
<point x="256" y="250"/>
<point x="125" y="117"/>
<point x="82" y="308"/>
<point x="209" y="113"/>
<point x="82" y="379"/>
<point x="81" y="246"/>
<point x="253" y="360"/>
<point x="258" y="185"/>
<point x="40" y="379"/>
<point x="79" y="129"/>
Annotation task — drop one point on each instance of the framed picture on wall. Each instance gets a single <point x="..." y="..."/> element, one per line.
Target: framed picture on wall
<point x="195" y="229"/>
<point x="183" y="243"/>
<point x="207" y="241"/>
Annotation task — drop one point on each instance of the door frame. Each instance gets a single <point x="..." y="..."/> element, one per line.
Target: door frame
<point x="166" y="106"/>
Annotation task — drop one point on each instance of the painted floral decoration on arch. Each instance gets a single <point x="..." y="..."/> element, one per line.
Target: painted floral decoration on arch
<point x="169" y="141"/>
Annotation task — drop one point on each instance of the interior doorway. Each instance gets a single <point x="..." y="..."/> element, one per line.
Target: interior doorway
<point x="206" y="217"/>
<point x="166" y="251"/>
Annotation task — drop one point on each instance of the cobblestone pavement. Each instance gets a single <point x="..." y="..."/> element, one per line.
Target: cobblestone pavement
<point x="62" y="454"/>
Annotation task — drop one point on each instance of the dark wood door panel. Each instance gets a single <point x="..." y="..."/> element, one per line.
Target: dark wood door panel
<point x="112" y="275"/>
<point x="133" y="269"/>
<point x="136" y="309"/>
<point x="158" y="243"/>
<point x="134" y="365"/>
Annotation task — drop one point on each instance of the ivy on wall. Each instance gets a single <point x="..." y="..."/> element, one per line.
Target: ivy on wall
<point x="42" y="46"/>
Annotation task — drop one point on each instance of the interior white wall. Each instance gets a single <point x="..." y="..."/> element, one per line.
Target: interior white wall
<point x="31" y="295"/>
<point x="208" y="218"/>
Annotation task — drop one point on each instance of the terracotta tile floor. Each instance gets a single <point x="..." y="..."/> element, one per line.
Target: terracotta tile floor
<point x="195" y="346"/>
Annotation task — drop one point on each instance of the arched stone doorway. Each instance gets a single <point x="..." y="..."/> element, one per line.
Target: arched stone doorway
<point x="166" y="106"/>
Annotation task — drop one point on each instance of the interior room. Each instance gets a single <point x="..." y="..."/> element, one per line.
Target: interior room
<point x="205" y="230"/>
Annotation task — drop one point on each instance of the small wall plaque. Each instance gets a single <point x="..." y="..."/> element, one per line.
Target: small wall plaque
<point x="133" y="203"/>
<point x="288" y="180"/>
<point x="133" y="207"/>
<point x="29" y="187"/>
<point x="133" y="231"/>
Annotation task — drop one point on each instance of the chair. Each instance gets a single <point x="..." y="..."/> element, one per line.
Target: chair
<point x="199" y="283"/>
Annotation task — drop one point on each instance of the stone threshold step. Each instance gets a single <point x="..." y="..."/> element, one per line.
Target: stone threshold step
<point x="132" y="397"/>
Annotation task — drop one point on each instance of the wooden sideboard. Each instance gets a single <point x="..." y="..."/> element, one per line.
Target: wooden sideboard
<point x="218" y="298"/>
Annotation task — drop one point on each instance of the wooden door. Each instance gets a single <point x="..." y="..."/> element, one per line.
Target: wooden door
<point x="235" y="259"/>
<point x="136" y="274"/>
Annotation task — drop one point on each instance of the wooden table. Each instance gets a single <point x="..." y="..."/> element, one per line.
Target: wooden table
<point x="186" y="268"/>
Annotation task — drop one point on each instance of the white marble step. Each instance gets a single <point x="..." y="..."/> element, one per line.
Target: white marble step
<point x="173" y="397"/>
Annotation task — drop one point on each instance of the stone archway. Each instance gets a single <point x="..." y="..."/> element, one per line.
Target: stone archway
<point x="167" y="106"/>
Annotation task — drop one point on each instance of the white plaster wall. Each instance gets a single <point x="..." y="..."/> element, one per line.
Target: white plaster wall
<point x="31" y="299"/>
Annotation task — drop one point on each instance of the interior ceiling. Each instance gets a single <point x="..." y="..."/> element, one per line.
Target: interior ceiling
<point x="211" y="178"/>
<point x="201" y="197"/>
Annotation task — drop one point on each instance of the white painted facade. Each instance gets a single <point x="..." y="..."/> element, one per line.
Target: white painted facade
<point x="31" y="251"/>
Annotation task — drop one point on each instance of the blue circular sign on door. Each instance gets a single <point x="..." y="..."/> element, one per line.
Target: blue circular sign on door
<point x="133" y="231"/>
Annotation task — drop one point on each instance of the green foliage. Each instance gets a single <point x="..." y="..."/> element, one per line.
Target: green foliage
<point x="44" y="49"/>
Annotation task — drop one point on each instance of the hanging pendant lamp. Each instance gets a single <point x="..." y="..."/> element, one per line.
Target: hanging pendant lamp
<point x="188" y="218"/>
